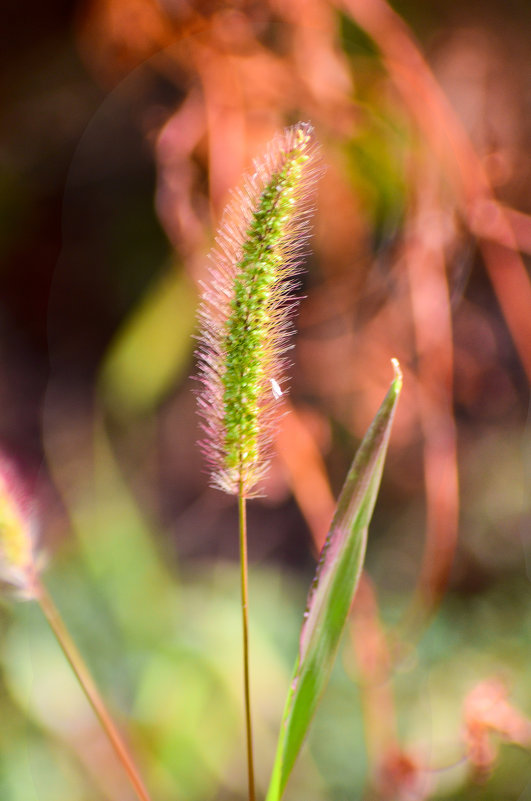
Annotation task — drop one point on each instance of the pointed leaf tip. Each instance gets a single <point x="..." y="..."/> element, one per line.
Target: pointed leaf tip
<point x="398" y="373"/>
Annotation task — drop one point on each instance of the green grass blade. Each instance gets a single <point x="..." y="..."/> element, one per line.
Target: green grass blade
<point x="333" y="588"/>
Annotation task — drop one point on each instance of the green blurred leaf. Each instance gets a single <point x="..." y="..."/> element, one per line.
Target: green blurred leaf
<point x="333" y="589"/>
<point x="355" y="41"/>
<point x="152" y="348"/>
<point x="377" y="159"/>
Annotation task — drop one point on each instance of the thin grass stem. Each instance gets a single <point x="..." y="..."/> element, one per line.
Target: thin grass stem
<point x="90" y="690"/>
<point x="245" y="625"/>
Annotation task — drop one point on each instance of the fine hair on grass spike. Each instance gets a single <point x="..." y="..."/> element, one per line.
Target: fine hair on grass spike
<point x="247" y="307"/>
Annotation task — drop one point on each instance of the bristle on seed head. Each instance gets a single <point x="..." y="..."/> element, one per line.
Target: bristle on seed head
<point x="247" y="306"/>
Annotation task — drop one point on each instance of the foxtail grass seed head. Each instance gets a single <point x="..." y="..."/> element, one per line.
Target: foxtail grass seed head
<point x="17" y="566"/>
<point x="247" y="307"/>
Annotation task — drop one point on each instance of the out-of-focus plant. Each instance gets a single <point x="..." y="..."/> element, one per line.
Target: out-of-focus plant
<point x="20" y="566"/>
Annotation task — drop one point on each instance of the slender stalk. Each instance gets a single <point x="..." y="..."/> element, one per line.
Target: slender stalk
<point x="92" y="694"/>
<point x="245" y="625"/>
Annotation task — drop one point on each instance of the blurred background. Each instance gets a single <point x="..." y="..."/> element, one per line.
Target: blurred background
<point x="125" y="123"/>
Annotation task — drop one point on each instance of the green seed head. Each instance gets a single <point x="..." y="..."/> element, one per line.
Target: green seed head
<point x="245" y="310"/>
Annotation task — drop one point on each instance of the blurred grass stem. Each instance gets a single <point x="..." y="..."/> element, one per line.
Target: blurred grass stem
<point x="92" y="694"/>
<point x="245" y="626"/>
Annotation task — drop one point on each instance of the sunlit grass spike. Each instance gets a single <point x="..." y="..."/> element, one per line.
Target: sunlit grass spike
<point x="245" y="324"/>
<point x="245" y="312"/>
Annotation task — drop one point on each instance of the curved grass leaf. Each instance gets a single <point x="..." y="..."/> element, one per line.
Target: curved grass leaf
<point x="333" y="588"/>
